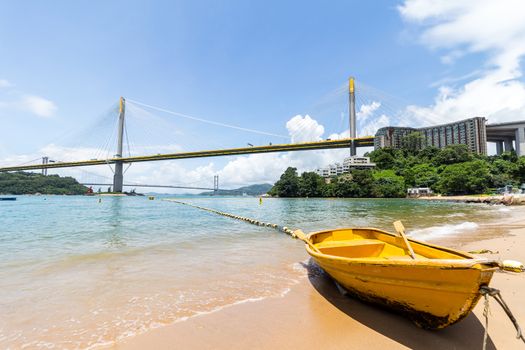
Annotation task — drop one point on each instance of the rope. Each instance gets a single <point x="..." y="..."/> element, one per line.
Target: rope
<point x="486" y="291"/>
<point x="280" y="228"/>
<point x="486" y="312"/>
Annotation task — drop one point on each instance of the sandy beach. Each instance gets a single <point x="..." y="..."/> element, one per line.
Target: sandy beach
<point x="314" y="314"/>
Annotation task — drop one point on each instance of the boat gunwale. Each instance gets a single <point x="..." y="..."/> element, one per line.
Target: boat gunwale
<point x="468" y="262"/>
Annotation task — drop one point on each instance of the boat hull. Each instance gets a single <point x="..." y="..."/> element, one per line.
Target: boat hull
<point x="434" y="293"/>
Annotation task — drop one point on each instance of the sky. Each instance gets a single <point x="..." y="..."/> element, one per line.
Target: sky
<point x="279" y="68"/>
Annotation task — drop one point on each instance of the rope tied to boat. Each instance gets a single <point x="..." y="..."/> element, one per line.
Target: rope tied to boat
<point x="486" y="312"/>
<point x="487" y="292"/>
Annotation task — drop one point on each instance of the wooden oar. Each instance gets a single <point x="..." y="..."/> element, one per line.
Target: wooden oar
<point x="302" y="236"/>
<point x="398" y="225"/>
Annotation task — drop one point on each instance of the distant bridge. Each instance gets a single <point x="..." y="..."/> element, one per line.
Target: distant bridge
<point x="153" y="186"/>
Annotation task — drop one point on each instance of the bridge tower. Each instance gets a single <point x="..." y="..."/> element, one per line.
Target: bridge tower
<point x="45" y="160"/>
<point x="118" y="177"/>
<point x="215" y="183"/>
<point x="351" y="110"/>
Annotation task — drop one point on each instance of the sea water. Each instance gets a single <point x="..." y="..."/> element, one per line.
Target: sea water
<point x="79" y="272"/>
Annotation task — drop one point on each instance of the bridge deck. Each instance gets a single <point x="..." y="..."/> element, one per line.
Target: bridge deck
<point x="367" y="141"/>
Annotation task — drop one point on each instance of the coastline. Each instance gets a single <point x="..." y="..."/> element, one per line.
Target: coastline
<point x="507" y="199"/>
<point x="314" y="314"/>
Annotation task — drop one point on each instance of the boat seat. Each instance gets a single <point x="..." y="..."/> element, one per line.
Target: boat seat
<point x="358" y="248"/>
<point x="348" y="243"/>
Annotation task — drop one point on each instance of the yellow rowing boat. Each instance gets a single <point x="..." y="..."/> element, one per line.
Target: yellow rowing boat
<point x="432" y="285"/>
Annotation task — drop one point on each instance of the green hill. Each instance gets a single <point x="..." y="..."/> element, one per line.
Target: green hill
<point x="30" y="183"/>
<point x="252" y="190"/>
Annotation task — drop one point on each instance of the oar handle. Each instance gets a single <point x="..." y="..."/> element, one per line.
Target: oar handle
<point x="398" y="225"/>
<point x="512" y="265"/>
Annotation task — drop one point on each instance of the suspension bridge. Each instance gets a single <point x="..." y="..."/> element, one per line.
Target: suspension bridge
<point x="119" y="160"/>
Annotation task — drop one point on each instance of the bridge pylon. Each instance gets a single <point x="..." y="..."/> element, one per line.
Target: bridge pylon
<point x="351" y="113"/>
<point x="118" y="177"/>
<point x="45" y="160"/>
<point x="215" y="183"/>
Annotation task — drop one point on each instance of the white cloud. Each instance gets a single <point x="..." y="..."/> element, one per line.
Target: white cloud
<point x="38" y="105"/>
<point x="492" y="28"/>
<point x="367" y="110"/>
<point x="4" y="83"/>
<point x="12" y="99"/>
<point x="303" y="129"/>
<point x="371" y="127"/>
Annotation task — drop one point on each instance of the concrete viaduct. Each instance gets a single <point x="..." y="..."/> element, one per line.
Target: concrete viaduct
<point x="507" y="136"/>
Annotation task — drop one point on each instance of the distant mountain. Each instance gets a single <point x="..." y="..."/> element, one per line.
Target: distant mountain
<point x="252" y="190"/>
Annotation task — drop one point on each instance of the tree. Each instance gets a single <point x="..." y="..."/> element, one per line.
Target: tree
<point x="502" y="172"/>
<point x="288" y="184"/>
<point x="453" y="154"/>
<point x="311" y="185"/>
<point x="427" y="154"/>
<point x="329" y="190"/>
<point x="29" y="183"/>
<point x="412" y="142"/>
<point x="387" y="184"/>
<point x="519" y="171"/>
<point x="384" y="158"/>
<point x="465" y="178"/>
<point x="510" y="156"/>
<point x="355" y="184"/>
<point x="425" y="175"/>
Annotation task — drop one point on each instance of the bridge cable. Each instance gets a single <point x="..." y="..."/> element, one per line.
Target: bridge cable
<point x="207" y="121"/>
<point x="164" y="130"/>
<point x="30" y="161"/>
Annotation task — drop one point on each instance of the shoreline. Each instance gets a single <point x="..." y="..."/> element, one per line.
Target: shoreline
<point x="508" y="199"/>
<point x="314" y="314"/>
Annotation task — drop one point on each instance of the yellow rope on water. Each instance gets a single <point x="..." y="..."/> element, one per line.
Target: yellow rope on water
<point x="280" y="228"/>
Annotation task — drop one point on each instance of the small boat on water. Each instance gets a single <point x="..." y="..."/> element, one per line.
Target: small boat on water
<point x="432" y="285"/>
<point x="7" y="198"/>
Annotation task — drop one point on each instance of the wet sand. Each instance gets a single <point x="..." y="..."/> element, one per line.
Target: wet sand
<point x="314" y="314"/>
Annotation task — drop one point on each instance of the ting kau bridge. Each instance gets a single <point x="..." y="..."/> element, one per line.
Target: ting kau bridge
<point x="118" y="160"/>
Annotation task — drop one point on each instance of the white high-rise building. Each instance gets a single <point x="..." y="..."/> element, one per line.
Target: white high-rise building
<point x="349" y="163"/>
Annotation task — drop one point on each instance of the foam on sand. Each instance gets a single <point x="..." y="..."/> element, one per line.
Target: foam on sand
<point x="444" y="230"/>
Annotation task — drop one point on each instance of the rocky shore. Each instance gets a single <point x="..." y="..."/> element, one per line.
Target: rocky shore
<point x="508" y="199"/>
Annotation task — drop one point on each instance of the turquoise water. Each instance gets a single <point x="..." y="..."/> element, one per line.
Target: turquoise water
<point x="76" y="273"/>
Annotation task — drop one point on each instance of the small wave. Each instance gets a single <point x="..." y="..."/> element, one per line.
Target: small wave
<point x="445" y="230"/>
<point x="455" y="215"/>
<point x="299" y="272"/>
<point x="504" y="209"/>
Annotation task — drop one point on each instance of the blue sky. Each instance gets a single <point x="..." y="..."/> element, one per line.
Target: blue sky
<point x="254" y="64"/>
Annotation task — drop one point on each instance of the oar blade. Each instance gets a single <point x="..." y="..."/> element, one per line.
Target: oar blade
<point x="398" y="225"/>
